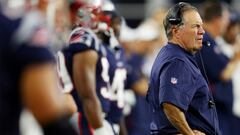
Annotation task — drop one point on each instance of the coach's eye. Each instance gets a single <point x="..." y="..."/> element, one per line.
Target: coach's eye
<point x="198" y="26"/>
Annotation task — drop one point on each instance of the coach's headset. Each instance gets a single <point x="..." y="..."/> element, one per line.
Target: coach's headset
<point x="176" y="17"/>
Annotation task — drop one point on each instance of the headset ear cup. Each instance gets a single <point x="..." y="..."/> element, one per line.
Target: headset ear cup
<point x="176" y="18"/>
<point x="175" y="21"/>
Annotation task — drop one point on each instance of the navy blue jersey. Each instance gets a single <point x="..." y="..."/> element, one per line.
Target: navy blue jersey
<point x="176" y="79"/>
<point x="117" y="74"/>
<point x="82" y="39"/>
<point x="134" y="64"/>
<point x="139" y="119"/>
<point x="20" y="47"/>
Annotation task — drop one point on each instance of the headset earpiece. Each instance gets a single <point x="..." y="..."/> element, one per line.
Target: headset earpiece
<point x="176" y="18"/>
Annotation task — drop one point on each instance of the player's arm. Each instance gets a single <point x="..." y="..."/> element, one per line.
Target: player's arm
<point x="84" y="77"/>
<point x="227" y="72"/>
<point x="42" y="97"/>
<point x="178" y="120"/>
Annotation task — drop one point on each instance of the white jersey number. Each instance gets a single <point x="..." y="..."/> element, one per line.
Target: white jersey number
<point x="65" y="79"/>
<point x="117" y="87"/>
<point x="114" y="91"/>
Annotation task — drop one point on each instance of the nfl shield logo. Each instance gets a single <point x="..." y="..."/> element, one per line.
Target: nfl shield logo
<point x="173" y="80"/>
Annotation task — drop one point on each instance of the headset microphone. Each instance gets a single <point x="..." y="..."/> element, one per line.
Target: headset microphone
<point x="206" y="43"/>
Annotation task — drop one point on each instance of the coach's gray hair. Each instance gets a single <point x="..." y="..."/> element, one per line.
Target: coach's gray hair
<point x="172" y="13"/>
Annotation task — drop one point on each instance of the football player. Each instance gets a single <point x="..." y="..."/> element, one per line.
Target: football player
<point x="120" y="76"/>
<point x="87" y="66"/>
<point x="117" y="72"/>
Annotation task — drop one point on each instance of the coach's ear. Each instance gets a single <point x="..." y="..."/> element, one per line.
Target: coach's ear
<point x="176" y="32"/>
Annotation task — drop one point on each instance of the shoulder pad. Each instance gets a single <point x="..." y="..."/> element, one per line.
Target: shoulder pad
<point x="85" y="37"/>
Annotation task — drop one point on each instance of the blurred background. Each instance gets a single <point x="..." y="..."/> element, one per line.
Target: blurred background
<point x="137" y="10"/>
<point x="142" y="36"/>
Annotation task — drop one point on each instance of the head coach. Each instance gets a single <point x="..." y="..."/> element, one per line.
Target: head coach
<point x="178" y="95"/>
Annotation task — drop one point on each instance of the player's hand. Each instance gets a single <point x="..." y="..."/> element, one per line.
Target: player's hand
<point x="106" y="129"/>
